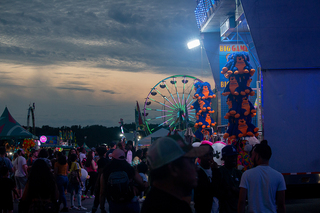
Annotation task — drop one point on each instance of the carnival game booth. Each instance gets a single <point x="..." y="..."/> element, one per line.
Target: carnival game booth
<point x="13" y="135"/>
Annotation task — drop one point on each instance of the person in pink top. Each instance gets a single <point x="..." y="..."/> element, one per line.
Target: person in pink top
<point x="91" y="167"/>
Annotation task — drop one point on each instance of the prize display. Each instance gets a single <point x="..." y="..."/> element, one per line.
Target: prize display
<point x="241" y="111"/>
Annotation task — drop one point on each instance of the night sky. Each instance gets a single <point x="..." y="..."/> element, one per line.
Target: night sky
<point x="88" y="62"/>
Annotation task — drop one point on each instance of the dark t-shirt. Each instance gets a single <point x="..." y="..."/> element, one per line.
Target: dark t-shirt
<point x="205" y="190"/>
<point x="6" y="186"/>
<point x="158" y="201"/>
<point x="228" y="184"/>
<point x="102" y="162"/>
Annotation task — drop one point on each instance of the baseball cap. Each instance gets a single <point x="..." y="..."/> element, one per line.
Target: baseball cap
<point x="229" y="150"/>
<point x="165" y="150"/>
<point x="118" y="154"/>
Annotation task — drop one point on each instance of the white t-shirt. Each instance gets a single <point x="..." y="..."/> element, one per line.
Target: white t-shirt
<point x="129" y="157"/>
<point x="262" y="183"/>
<point x="18" y="164"/>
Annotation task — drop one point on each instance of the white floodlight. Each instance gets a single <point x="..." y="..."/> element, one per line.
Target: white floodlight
<point x="193" y="44"/>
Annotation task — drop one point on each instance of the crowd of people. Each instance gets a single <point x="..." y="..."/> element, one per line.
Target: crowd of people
<point x="166" y="177"/>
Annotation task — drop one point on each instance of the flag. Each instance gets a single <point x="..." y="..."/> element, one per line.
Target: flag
<point x="138" y="118"/>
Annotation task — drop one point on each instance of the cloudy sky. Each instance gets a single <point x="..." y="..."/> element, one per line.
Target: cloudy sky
<point x="87" y="62"/>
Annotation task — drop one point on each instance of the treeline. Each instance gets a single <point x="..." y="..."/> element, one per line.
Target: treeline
<point x="91" y="135"/>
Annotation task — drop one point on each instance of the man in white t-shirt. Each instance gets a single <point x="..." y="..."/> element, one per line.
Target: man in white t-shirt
<point x="20" y="164"/>
<point x="264" y="186"/>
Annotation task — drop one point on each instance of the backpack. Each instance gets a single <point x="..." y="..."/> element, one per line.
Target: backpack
<point x="74" y="177"/>
<point x="119" y="188"/>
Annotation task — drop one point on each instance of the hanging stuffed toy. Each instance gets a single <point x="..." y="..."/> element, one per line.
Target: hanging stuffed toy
<point x="231" y="86"/>
<point x="242" y="128"/>
<point x="232" y="127"/>
<point x="203" y="109"/>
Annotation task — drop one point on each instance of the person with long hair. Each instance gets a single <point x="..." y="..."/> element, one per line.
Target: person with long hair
<point x="72" y="151"/>
<point x="44" y="155"/>
<point x="91" y="167"/>
<point x="60" y="171"/>
<point x="41" y="191"/>
<point x="75" y="182"/>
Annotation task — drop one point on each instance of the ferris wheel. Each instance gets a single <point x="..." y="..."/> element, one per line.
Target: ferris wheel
<point x="168" y="104"/>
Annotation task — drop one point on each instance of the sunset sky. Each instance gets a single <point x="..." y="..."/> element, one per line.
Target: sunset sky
<point x="88" y="62"/>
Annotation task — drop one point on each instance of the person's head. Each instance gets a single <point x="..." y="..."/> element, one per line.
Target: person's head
<point x="207" y="159"/>
<point x="173" y="163"/>
<point x="4" y="171"/>
<point x="118" y="154"/>
<point x="43" y="153"/>
<point x="72" y="151"/>
<point x="41" y="180"/>
<point x="129" y="145"/>
<point x="2" y="150"/>
<point x="15" y="155"/>
<point x="56" y="153"/>
<point x="139" y="153"/>
<point x="73" y="157"/>
<point x="229" y="156"/>
<point x="142" y="168"/>
<point x="101" y="150"/>
<point x="145" y="152"/>
<point x="112" y="145"/>
<point x="34" y="153"/>
<point x="120" y="145"/>
<point x="261" y="153"/>
<point x="20" y="152"/>
<point x="82" y="150"/>
<point x="62" y="159"/>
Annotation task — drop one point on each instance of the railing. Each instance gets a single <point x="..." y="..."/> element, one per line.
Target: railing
<point x="203" y="11"/>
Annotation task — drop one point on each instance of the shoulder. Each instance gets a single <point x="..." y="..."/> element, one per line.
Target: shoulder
<point x="8" y="160"/>
<point x="22" y="159"/>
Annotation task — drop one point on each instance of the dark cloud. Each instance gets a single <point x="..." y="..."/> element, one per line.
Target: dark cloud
<point x="109" y="91"/>
<point x="76" y="88"/>
<point x="149" y="32"/>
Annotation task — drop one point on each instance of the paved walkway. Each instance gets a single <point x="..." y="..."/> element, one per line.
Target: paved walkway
<point x="87" y="203"/>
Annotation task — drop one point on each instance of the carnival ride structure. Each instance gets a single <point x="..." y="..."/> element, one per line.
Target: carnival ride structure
<point x="168" y="104"/>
